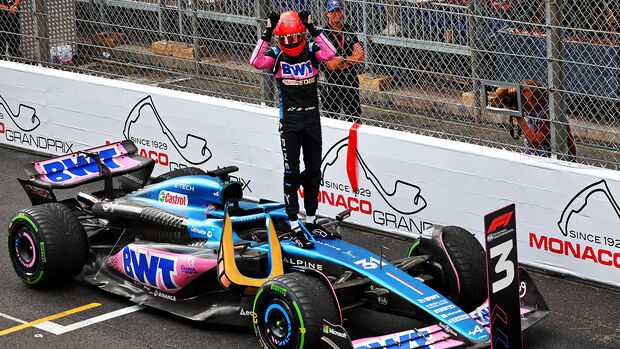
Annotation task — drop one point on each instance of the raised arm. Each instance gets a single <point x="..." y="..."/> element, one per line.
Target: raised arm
<point x="327" y="51"/>
<point x="258" y="59"/>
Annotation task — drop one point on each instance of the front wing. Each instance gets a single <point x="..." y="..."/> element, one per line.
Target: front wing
<point x="533" y="309"/>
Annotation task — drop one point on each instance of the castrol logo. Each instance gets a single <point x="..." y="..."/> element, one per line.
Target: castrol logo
<point x="171" y="198"/>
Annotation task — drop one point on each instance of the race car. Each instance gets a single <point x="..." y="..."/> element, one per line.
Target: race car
<point x="188" y="243"/>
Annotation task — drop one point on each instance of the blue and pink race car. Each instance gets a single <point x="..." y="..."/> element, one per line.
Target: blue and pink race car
<point x="188" y="243"/>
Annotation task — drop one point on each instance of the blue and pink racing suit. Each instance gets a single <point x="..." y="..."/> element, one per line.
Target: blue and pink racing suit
<point x="300" y="124"/>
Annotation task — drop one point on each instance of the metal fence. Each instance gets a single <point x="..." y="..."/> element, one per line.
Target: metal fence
<point x="429" y="65"/>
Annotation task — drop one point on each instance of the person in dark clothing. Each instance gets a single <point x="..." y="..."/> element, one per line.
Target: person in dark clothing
<point x="342" y="89"/>
<point x="294" y="62"/>
<point x="9" y="28"/>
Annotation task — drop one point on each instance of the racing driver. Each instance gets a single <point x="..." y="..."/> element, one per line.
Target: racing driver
<point x="294" y="62"/>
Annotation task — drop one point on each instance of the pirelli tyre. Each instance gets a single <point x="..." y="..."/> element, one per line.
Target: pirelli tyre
<point x="289" y="310"/>
<point x="458" y="264"/>
<point x="186" y="171"/>
<point x="47" y="244"/>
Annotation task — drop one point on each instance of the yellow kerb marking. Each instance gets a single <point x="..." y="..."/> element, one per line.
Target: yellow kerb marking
<point x="49" y="318"/>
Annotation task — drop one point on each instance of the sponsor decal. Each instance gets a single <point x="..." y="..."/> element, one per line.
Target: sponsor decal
<point x="449" y="330"/>
<point x="159" y="142"/>
<point x="429" y="298"/>
<point x="150" y="268"/>
<point x="244" y="312"/>
<point x="458" y="318"/>
<point x="165" y="296"/>
<point x="208" y="234"/>
<point x="76" y="167"/>
<point x="502" y="278"/>
<point x="304" y="263"/>
<point x="42" y="247"/>
<point x="278" y="289"/>
<point x="436" y="304"/>
<point x="134" y="178"/>
<point x="183" y="186"/>
<point x="39" y="191"/>
<point x="303" y="69"/>
<point x="172" y="198"/>
<point x="331" y="330"/>
<point x="442" y="309"/>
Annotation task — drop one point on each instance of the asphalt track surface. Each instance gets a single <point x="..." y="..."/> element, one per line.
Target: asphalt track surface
<point x="582" y="315"/>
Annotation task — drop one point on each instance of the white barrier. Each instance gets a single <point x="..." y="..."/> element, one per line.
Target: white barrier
<point x="568" y="217"/>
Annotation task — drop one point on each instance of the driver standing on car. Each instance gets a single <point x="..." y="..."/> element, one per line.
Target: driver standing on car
<point x="294" y="62"/>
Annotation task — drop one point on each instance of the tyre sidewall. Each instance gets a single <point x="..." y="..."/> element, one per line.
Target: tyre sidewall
<point x="24" y="222"/>
<point x="275" y="292"/>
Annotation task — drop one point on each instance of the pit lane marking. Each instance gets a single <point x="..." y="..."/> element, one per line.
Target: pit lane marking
<point x="48" y="318"/>
<point x="57" y="329"/>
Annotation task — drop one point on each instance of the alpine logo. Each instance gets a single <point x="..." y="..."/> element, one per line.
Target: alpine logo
<point x="171" y="198"/>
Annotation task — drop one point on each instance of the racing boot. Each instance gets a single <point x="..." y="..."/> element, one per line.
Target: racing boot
<point x="300" y="239"/>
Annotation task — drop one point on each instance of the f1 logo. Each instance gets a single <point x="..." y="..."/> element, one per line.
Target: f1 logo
<point x="500" y="221"/>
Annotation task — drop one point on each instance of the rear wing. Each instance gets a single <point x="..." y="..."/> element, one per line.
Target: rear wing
<point x="82" y="167"/>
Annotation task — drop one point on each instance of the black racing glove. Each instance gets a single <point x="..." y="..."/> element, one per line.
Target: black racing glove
<point x="306" y="19"/>
<point x="272" y="21"/>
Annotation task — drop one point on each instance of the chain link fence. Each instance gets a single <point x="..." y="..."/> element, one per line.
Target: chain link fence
<point x="429" y="67"/>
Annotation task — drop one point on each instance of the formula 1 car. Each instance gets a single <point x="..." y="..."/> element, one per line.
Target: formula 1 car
<point x="186" y="242"/>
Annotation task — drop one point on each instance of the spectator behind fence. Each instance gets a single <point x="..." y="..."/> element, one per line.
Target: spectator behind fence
<point x="9" y="28"/>
<point x="294" y="62"/>
<point x="342" y="89"/>
<point x="535" y="122"/>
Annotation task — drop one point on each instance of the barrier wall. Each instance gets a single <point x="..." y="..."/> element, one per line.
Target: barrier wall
<point x="568" y="218"/>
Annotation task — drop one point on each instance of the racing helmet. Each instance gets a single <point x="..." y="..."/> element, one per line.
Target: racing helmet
<point x="290" y="33"/>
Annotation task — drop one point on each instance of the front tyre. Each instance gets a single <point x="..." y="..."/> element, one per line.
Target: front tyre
<point x="289" y="311"/>
<point x="47" y="244"/>
<point x="458" y="265"/>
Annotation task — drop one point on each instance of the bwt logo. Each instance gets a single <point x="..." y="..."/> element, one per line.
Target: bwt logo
<point x="171" y="198"/>
<point x="500" y="221"/>
<point x="150" y="268"/>
<point x="81" y="167"/>
<point x="297" y="70"/>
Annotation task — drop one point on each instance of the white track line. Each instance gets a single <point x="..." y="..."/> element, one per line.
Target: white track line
<point x="57" y="329"/>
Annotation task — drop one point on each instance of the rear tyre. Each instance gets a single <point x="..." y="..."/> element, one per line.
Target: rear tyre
<point x="186" y="171"/>
<point x="47" y="244"/>
<point x="458" y="266"/>
<point x="289" y="311"/>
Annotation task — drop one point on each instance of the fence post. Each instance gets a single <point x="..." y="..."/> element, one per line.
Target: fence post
<point x="41" y="31"/>
<point x="473" y="30"/>
<point x="267" y="83"/>
<point x="197" y="50"/>
<point x="555" y="76"/>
